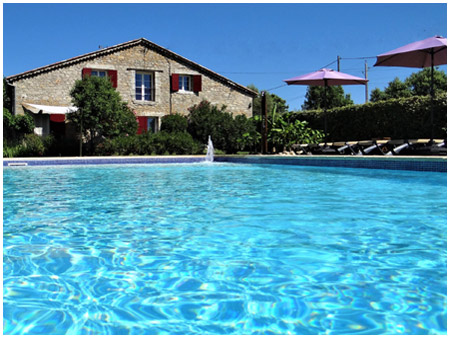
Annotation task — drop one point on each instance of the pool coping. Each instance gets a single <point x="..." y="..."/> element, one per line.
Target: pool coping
<point x="415" y="163"/>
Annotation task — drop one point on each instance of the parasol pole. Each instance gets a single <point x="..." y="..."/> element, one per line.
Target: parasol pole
<point x="325" y="106"/>
<point x="432" y="94"/>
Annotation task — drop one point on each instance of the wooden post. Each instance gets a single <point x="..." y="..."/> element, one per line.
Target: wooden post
<point x="367" y="83"/>
<point x="81" y="136"/>
<point x="264" y="146"/>
<point x="432" y="95"/>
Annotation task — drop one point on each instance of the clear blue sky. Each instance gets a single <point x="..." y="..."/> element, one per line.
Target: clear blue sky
<point x="259" y="44"/>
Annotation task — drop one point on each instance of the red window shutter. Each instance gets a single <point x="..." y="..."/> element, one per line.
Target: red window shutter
<point x="197" y="79"/>
<point x="175" y="84"/>
<point x="112" y="74"/>
<point x="57" y="117"/>
<point x="142" y="124"/>
<point x="86" y="72"/>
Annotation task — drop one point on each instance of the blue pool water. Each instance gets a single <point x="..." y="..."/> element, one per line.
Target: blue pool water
<point x="223" y="249"/>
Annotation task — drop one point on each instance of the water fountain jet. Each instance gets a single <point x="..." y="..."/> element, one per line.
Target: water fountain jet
<point x="210" y="151"/>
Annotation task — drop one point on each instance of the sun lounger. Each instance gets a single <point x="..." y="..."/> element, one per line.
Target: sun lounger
<point x="376" y="147"/>
<point x="419" y="147"/>
<point x="380" y="147"/>
<point x="350" y="147"/>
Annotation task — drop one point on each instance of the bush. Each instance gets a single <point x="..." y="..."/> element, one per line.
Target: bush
<point x="33" y="146"/>
<point x="16" y="126"/>
<point x="162" y="143"/>
<point x="404" y="118"/>
<point x="11" y="150"/>
<point x="174" y="123"/>
<point x="227" y="133"/>
<point x="60" y="147"/>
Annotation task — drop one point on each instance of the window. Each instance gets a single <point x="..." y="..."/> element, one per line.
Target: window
<point x="151" y="124"/>
<point x="144" y="87"/>
<point x="99" y="73"/>
<point x="147" y="124"/>
<point x="185" y="83"/>
<point x="111" y="74"/>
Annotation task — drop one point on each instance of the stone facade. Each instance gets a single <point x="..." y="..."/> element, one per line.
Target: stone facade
<point x="51" y="85"/>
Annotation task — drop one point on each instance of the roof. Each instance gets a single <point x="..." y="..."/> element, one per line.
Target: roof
<point x="125" y="45"/>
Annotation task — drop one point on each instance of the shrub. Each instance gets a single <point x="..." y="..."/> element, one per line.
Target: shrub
<point x="178" y="143"/>
<point x="285" y="132"/>
<point x="227" y="133"/>
<point x="248" y="138"/>
<point x="174" y="123"/>
<point x="30" y="145"/>
<point x="11" y="150"/>
<point x="33" y="145"/>
<point x="16" y="126"/>
<point x="395" y="118"/>
<point x="60" y="147"/>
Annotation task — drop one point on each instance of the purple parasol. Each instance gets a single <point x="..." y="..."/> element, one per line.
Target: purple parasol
<point x="325" y="77"/>
<point x="420" y="54"/>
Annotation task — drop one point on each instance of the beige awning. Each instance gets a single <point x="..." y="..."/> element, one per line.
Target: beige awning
<point x="37" y="108"/>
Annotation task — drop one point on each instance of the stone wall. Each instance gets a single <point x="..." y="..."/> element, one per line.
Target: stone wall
<point x="53" y="87"/>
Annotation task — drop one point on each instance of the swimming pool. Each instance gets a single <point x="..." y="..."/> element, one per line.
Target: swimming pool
<point x="223" y="249"/>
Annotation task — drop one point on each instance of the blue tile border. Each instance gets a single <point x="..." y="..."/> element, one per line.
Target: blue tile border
<point x="391" y="163"/>
<point x="436" y="164"/>
<point x="101" y="160"/>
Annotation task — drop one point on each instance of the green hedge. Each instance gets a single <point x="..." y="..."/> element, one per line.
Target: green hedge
<point x="174" y="123"/>
<point x="162" y="143"/>
<point x="405" y="118"/>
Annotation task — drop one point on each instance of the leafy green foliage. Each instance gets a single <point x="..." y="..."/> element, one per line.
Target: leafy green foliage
<point x="226" y="132"/>
<point x="30" y="145"/>
<point x="320" y="97"/>
<point x="285" y="130"/>
<point x="247" y="137"/>
<point x="162" y="143"/>
<point x="272" y="100"/>
<point x="174" y="123"/>
<point x="60" y="146"/>
<point x="101" y="112"/>
<point x="7" y="101"/>
<point x="377" y="95"/>
<point x="16" y="126"/>
<point x="420" y="83"/>
<point x="395" y="118"/>
<point x="397" y="89"/>
<point x="417" y="84"/>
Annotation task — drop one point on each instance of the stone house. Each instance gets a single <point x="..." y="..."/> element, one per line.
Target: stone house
<point x="153" y="80"/>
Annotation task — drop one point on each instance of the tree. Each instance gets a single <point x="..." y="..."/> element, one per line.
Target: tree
<point x="397" y="89"/>
<point x="417" y="84"/>
<point x="6" y="95"/>
<point x="377" y="95"/>
<point x="228" y="133"/>
<point x="420" y="82"/>
<point x="101" y="112"/>
<point x="335" y="97"/>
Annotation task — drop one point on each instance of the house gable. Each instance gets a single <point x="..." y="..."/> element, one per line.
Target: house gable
<point x="91" y="57"/>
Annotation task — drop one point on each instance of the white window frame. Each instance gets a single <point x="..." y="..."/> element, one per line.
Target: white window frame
<point x="98" y="71"/>
<point x="152" y="85"/>
<point x="181" y="83"/>
<point x="155" y="119"/>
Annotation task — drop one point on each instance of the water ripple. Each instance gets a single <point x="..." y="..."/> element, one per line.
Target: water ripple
<point x="223" y="249"/>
